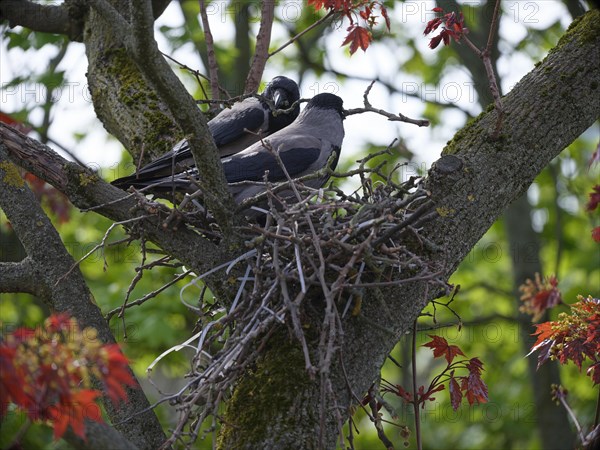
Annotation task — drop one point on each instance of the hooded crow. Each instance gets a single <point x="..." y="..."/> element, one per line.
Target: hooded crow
<point x="303" y="147"/>
<point x="233" y="130"/>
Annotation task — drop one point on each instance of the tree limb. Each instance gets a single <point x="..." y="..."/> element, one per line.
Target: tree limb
<point x="48" y="261"/>
<point x="18" y="277"/>
<point x="86" y="190"/>
<point x="261" y="53"/>
<point x="144" y="49"/>
<point x="44" y="18"/>
<point x="546" y="111"/>
<point x="57" y="19"/>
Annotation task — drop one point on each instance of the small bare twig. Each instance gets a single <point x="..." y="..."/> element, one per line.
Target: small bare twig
<point x="148" y="296"/>
<point x="303" y="32"/>
<point x="102" y="244"/>
<point x="392" y="117"/>
<point x="199" y="77"/>
<point x="485" y="56"/>
<point x="559" y="393"/>
<point x="213" y="66"/>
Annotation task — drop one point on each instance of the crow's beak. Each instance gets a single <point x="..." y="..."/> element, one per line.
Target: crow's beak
<point x="280" y="99"/>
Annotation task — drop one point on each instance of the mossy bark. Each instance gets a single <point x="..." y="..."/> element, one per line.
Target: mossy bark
<point x="124" y="100"/>
<point x="493" y="173"/>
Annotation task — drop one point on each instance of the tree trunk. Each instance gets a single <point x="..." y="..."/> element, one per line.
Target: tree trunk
<point x="551" y="419"/>
<point x="545" y="112"/>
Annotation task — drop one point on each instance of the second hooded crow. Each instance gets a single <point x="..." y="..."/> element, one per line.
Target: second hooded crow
<point x="304" y="147"/>
<point x="233" y="130"/>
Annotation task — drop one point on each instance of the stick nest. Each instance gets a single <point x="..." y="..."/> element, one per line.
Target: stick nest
<point x="323" y="245"/>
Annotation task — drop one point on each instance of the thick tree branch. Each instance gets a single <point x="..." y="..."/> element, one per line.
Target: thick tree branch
<point x="141" y="45"/>
<point x="57" y="19"/>
<point x="261" y="53"/>
<point x="86" y="190"/>
<point x="18" y="277"/>
<point x="44" y="18"/>
<point x="549" y="108"/>
<point x="49" y="261"/>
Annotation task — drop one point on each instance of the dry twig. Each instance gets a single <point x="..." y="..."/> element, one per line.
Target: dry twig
<point x="392" y="117"/>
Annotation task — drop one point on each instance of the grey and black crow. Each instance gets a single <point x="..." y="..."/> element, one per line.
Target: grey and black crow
<point x="304" y="147"/>
<point x="233" y="130"/>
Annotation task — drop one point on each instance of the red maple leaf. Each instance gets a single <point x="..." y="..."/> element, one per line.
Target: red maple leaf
<point x="82" y="405"/>
<point x="594" y="372"/>
<point x="432" y="25"/>
<point x="357" y="37"/>
<point x="424" y="396"/>
<point x="316" y="4"/>
<point x="594" y="198"/>
<point x="596" y="234"/>
<point x="544" y="332"/>
<point x="435" y="41"/>
<point x="366" y="13"/>
<point x="11" y="380"/>
<point x="335" y="5"/>
<point x="118" y="375"/>
<point x="475" y="366"/>
<point x="385" y="16"/>
<point x="539" y="295"/>
<point x="574" y="337"/>
<point x="58" y="322"/>
<point x="475" y="390"/>
<point x="440" y="347"/>
<point x="47" y="373"/>
<point x="455" y="392"/>
<point x="453" y="27"/>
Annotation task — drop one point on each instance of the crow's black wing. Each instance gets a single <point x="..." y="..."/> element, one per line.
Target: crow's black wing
<point x="231" y="124"/>
<point x="252" y="167"/>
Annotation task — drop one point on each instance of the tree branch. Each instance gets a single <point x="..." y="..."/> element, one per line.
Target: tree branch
<point x="57" y="19"/>
<point x="213" y="67"/>
<point x="86" y="190"/>
<point x="144" y="49"/>
<point x="303" y="32"/>
<point x="261" y="53"/>
<point x="48" y="262"/>
<point x="44" y="18"/>
<point x="392" y="117"/>
<point x="487" y="176"/>
<point x="18" y="277"/>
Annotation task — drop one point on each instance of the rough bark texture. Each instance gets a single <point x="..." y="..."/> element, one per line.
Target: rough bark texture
<point x="124" y="100"/>
<point x="546" y="111"/>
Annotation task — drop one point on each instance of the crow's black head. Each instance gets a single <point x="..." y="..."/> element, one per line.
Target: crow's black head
<point x="327" y="101"/>
<point x="284" y="93"/>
